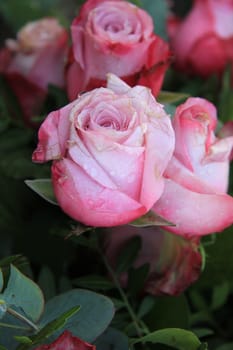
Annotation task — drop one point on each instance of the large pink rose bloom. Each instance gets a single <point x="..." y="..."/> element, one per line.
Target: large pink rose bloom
<point x="109" y="148"/>
<point x="33" y="61"/>
<point x="195" y="198"/>
<point x="174" y="262"/>
<point x="203" y="41"/>
<point x="66" y="341"/>
<point x="115" y="36"/>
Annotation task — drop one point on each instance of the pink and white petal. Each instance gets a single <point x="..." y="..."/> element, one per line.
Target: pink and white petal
<point x="200" y="105"/>
<point x="220" y="150"/>
<point x="214" y="168"/>
<point x="123" y="164"/>
<point x="190" y="141"/>
<point x="177" y="172"/>
<point x="53" y="135"/>
<point x="194" y="123"/>
<point x="215" y="174"/>
<point x="86" y="201"/>
<point x="194" y="214"/>
<point x="117" y="85"/>
<point x="48" y="147"/>
<point x="147" y="107"/>
<point x="85" y="160"/>
<point x="159" y="146"/>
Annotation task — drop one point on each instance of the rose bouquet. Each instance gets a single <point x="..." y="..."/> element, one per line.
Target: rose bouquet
<point x="134" y="243"/>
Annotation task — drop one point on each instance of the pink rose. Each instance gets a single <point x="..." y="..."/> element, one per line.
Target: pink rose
<point x="66" y="341"/>
<point x="195" y="198"/>
<point x="115" y="36"/>
<point x="33" y="61"/>
<point x="203" y="41"/>
<point x="174" y="263"/>
<point x="109" y="148"/>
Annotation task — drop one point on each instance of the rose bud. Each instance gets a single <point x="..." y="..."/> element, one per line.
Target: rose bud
<point x="174" y="262"/>
<point x="109" y="148"/>
<point x="66" y="341"/>
<point x="115" y="36"/>
<point x="33" y="61"/>
<point x="202" y="42"/>
<point x="195" y="198"/>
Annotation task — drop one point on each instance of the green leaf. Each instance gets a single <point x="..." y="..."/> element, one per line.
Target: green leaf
<point x="49" y="328"/>
<point x="112" y="339"/>
<point x="170" y="109"/>
<point x="56" y="324"/>
<point x="17" y="260"/>
<point x="23" y="340"/>
<point x="46" y="282"/>
<point x="171" y="97"/>
<point x="177" y="338"/>
<point x="228" y="346"/>
<point x="137" y="277"/>
<point x="145" y="306"/>
<point x="22" y="292"/>
<point x="203" y="346"/>
<point x="93" y="282"/>
<point x="225" y="107"/>
<point x="128" y="254"/>
<point x="202" y="332"/>
<point x="2" y="347"/>
<point x="172" y="311"/>
<point x="14" y="138"/>
<point x="93" y="318"/>
<point x="150" y="219"/>
<point x="3" y="308"/>
<point x="64" y="284"/>
<point x="219" y="267"/>
<point x="1" y="280"/>
<point x="26" y="10"/>
<point x="17" y="164"/>
<point x="44" y="188"/>
<point x="220" y="295"/>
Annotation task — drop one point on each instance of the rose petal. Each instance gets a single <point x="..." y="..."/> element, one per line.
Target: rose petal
<point x="159" y="136"/>
<point x="66" y="341"/>
<point x="194" y="213"/>
<point x="86" y="201"/>
<point x="123" y="164"/>
<point x="53" y="135"/>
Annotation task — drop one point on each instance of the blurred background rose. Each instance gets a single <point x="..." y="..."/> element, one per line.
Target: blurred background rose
<point x="115" y="37"/>
<point x="202" y="41"/>
<point x="174" y="262"/>
<point x="33" y="61"/>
